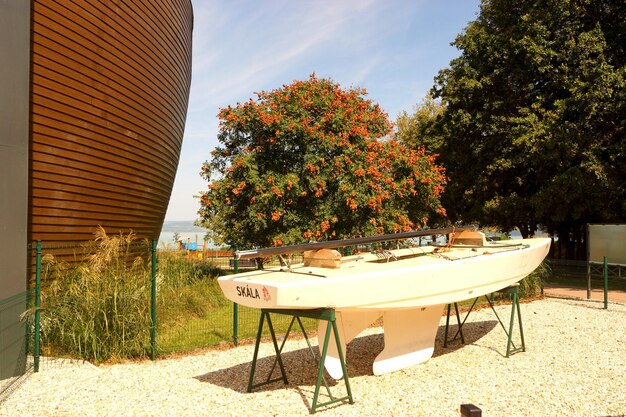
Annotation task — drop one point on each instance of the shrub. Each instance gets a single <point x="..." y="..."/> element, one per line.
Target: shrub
<point x="532" y="285"/>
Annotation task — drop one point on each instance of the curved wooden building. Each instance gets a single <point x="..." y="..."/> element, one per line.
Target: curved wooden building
<point x="109" y="92"/>
<point x="92" y="111"/>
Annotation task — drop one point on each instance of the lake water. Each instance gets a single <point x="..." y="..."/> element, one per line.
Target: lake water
<point x="167" y="239"/>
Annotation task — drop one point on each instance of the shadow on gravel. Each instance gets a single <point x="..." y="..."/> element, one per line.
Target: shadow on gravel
<point x="472" y="332"/>
<point x="301" y="369"/>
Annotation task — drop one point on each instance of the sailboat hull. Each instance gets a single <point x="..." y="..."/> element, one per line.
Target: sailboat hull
<point x="407" y="287"/>
<point x="421" y="276"/>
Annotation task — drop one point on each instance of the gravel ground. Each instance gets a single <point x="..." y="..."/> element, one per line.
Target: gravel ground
<point x="574" y="365"/>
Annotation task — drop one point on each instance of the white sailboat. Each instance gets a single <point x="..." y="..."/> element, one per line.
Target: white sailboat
<point x="408" y="287"/>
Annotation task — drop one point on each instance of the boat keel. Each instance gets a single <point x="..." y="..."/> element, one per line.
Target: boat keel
<point x="409" y="337"/>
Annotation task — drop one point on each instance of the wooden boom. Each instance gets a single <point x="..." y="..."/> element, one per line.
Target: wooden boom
<point x="284" y="250"/>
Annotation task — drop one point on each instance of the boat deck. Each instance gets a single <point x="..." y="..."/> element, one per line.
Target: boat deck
<point x="375" y="261"/>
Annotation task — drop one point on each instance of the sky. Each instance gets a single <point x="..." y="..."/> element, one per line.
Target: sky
<point x="392" y="48"/>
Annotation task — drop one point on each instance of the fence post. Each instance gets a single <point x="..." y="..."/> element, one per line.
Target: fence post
<point x="588" y="279"/>
<point x="37" y="341"/>
<point x="235" y="305"/>
<point x="153" y="301"/>
<point x="606" y="284"/>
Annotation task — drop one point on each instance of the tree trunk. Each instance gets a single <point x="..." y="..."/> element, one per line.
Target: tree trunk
<point x="526" y="230"/>
<point x="523" y="230"/>
<point x="565" y="246"/>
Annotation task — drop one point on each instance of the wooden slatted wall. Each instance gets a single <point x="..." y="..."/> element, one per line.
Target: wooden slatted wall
<point x="110" y="88"/>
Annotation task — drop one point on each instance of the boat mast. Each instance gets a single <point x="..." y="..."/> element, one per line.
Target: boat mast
<point x="285" y="250"/>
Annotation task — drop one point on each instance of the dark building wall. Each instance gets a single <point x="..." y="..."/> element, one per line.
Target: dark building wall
<point x="110" y="87"/>
<point x="14" y="131"/>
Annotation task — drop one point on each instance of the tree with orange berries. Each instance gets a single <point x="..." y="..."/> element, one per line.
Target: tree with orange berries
<point x="312" y="161"/>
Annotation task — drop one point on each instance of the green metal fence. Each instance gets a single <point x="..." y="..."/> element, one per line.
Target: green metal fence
<point x="162" y="301"/>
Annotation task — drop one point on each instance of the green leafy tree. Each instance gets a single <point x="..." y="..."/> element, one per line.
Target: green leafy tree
<point x="535" y="116"/>
<point x="312" y="161"/>
<point x="420" y="128"/>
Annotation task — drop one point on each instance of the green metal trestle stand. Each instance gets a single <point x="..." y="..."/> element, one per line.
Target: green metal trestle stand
<point x="515" y="312"/>
<point x="326" y="314"/>
<point x="510" y="346"/>
<point x="458" y="320"/>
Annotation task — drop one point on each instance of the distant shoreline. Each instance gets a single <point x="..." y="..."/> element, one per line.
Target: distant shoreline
<point x="186" y="230"/>
<point x="181" y="226"/>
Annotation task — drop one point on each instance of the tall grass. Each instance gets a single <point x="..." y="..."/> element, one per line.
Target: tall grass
<point x="187" y="290"/>
<point x="98" y="309"/>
